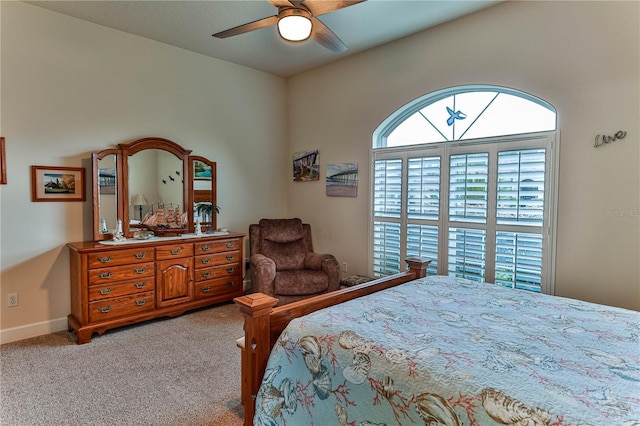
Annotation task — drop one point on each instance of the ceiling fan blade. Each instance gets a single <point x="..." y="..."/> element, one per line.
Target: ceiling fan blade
<point x="280" y="3"/>
<point x="323" y="35"/>
<point x="245" y="28"/>
<point x="320" y="7"/>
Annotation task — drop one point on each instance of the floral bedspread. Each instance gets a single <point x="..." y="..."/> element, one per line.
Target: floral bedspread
<point x="447" y="351"/>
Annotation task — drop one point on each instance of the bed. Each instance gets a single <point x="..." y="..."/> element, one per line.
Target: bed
<point x="440" y="351"/>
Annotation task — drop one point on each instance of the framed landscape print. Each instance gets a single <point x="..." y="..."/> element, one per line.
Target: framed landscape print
<point x="201" y="171"/>
<point x="57" y="183"/>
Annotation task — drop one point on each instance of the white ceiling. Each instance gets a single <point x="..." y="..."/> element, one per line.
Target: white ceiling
<point x="189" y="24"/>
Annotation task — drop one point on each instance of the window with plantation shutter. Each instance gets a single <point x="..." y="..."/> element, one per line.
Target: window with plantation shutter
<point x="467" y="177"/>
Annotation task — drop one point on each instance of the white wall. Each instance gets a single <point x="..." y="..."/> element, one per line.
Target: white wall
<point x="70" y="87"/>
<point x="582" y="57"/>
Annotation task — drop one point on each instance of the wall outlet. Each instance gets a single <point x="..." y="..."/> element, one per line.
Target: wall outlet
<point x="344" y="267"/>
<point x="12" y="299"/>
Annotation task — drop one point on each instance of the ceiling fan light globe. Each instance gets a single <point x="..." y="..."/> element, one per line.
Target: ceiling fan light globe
<point x="294" y="27"/>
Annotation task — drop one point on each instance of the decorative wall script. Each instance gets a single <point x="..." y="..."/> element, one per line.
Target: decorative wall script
<point x="605" y="139"/>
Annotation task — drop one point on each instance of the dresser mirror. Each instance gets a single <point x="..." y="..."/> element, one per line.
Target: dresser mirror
<point x="106" y="192"/>
<point x="134" y="180"/>
<point x="203" y="191"/>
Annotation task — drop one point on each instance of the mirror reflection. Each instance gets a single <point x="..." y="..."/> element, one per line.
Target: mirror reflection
<point x="107" y="193"/>
<point x="152" y="184"/>
<point x="203" y="194"/>
<point x="156" y="189"/>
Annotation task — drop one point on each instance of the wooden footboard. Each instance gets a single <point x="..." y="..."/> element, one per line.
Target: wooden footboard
<point x="263" y="323"/>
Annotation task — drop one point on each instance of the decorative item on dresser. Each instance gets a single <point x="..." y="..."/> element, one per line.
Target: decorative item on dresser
<point x="121" y="283"/>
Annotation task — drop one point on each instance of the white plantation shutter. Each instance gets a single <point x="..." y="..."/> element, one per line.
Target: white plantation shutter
<point x="518" y="260"/>
<point x="467" y="250"/>
<point x="521" y="183"/>
<point x="387" y="184"/>
<point x="423" y="188"/>
<point x="386" y="248"/>
<point x="422" y="241"/>
<point x="387" y="195"/>
<point x="468" y="179"/>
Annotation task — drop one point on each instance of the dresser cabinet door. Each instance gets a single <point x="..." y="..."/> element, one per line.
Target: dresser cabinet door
<point x="174" y="280"/>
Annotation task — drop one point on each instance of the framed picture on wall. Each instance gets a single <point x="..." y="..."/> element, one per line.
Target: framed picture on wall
<point x="201" y="171"/>
<point x="57" y="183"/>
<point x="342" y="180"/>
<point x="306" y="166"/>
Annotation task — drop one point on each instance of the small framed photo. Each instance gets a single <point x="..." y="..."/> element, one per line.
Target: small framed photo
<point x="57" y="183"/>
<point x="201" y="171"/>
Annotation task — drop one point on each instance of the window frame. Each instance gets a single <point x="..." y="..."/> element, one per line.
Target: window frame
<point x="549" y="140"/>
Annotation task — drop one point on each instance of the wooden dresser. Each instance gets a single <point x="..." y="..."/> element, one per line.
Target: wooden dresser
<point x="113" y="285"/>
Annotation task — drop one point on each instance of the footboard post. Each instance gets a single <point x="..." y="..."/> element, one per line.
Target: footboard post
<point x="255" y="353"/>
<point x="418" y="265"/>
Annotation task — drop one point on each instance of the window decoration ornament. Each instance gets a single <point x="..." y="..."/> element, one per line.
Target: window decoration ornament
<point x="457" y="115"/>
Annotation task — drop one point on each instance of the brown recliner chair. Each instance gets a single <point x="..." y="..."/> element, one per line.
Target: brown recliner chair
<point x="283" y="264"/>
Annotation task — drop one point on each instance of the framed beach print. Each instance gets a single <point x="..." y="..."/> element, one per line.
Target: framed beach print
<point x="201" y="171"/>
<point x="57" y="183"/>
<point x="342" y="180"/>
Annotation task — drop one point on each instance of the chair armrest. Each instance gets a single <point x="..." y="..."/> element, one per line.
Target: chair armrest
<point x="326" y="263"/>
<point x="263" y="274"/>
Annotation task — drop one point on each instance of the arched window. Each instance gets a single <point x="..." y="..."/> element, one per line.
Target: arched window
<point x="466" y="176"/>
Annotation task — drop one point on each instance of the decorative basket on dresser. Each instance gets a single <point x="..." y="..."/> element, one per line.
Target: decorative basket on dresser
<point x="113" y="285"/>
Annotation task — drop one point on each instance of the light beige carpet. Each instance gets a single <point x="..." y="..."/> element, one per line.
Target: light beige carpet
<point x="176" y="371"/>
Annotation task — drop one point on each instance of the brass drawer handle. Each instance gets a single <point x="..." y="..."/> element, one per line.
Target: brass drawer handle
<point x="140" y="255"/>
<point x="230" y="257"/>
<point x="105" y="259"/>
<point x="105" y="275"/>
<point x="140" y="270"/>
<point x="230" y="270"/>
<point x="140" y="285"/>
<point x="175" y="251"/>
<point x="206" y="289"/>
<point x="104" y="291"/>
<point x="229" y="245"/>
<point x="206" y="274"/>
<point x="229" y="283"/>
<point x="141" y="302"/>
<point x="205" y="261"/>
<point x="105" y="309"/>
<point x="205" y="248"/>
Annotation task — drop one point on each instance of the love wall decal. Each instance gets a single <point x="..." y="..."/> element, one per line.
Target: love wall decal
<point x="602" y="140"/>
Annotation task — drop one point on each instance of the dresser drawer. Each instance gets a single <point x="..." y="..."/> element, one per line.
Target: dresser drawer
<point x="120" y="273"/>
<point x="174" y="251"/>
<point x="218" y="287"/>
<point x="121" y="306"/>
<point x="217" y="259"/>
<point x="218" y="246"/>
<point x="107" y="291"/>
<point x="217" y="272"/>
<point x="120" y="257"/>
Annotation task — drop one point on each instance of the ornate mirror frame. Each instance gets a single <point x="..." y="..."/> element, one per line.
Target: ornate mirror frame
<point x="129" y="149"/>
<point x="190" y="192"/>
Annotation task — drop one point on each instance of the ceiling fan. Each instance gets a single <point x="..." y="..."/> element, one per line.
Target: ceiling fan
<point x="297" y="20"/>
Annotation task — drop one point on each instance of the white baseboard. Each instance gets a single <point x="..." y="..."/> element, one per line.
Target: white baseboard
<point x="32" y="330"/>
